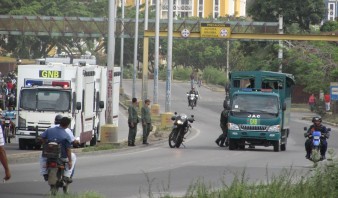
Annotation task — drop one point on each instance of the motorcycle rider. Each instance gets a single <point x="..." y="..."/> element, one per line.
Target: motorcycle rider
<point x="317" y="126"/>
<point x="224" y="126"/>
<point x="11" y="114"/>
<point x="59" y="133"/>
<point x="193" y="91"/>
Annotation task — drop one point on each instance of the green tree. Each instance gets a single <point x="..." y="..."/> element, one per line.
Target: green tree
<point x="302" y="12"/>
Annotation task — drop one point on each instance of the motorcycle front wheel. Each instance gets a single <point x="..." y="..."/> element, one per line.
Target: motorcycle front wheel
<point x="172" y="138"/>
<point x="179" y="139"/>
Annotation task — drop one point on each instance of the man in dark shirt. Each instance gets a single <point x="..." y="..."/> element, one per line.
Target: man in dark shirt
<point x="58" y="134"/>
<point x="317" y="126"/>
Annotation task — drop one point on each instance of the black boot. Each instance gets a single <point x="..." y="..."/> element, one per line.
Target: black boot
<point x="217" y="141"/>
<point x="145" y="142"/>
<point x="222" y="143"/>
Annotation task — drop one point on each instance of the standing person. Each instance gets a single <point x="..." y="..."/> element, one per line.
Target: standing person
<point x="224" y="126"/>
<point x="312" y="102"/>
<point x="132" y="122"/>
<point x="59" y="134"/>
<point x="327" y="100"/>
<point x="192" y="79"/>
<point x="146" y="120"/>
<point x="3" y="157"/>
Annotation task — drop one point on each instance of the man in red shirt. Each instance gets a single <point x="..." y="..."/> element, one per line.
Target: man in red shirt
<point x="312" y="102"/>
<point x="327" y="100"/>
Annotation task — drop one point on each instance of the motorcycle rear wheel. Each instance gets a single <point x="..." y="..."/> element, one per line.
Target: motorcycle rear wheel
<point x="65" y="189"/>
<point x="7" y="137"/>
<point x="53" y="189"/>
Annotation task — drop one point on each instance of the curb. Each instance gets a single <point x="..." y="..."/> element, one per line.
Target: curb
<point x="325" y="122"/>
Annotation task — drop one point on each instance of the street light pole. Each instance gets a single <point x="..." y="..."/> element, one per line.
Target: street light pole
<point x="145" y="56"/>
<point x="169" y="56"/>
<point x="280" y="50"/>
<point x="135" y="48"/>
<point x="122" y="47"/>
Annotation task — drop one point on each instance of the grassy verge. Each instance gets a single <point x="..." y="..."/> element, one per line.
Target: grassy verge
<point x="322" y="181"/>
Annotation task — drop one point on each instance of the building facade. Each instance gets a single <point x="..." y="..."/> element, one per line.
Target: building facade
<point x="332" y="10"/>
<point x="200" y="8"/>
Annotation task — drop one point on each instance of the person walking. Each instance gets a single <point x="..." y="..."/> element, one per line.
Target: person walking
<point x="327" y="100"/>
<point x="3" y="157"/>
<point x="224" y="126"/>
<point x="132" y="122"/>
<point x="312" y="102"/>
<point x="146" y="120"/>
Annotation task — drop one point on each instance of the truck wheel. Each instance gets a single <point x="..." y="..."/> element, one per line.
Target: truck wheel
<point x="232" y="144"/>
<point x="22" y="144"/>
<point x="93" y="141"/>
<point x="276" y="145"/>
<point x="283" y="147"/>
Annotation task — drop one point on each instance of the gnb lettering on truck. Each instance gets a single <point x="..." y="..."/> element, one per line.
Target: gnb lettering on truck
<point x="49" y="74"/>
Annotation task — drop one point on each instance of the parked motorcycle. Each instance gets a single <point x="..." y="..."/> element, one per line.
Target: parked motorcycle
<point x="316" y="137"/>
<point x="8" y="129"/>
<point x="181" y="127"/>
<point x="192" y="100"/>
<point x="55" y="167"/>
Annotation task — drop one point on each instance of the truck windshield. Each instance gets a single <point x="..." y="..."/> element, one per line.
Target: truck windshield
<point x="45" y="100"/>
<point x="255" y="104"/>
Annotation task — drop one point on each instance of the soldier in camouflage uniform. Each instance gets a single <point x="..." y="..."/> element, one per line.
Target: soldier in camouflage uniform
<point x="146" y="120"/>
<point x="132" y="122"/>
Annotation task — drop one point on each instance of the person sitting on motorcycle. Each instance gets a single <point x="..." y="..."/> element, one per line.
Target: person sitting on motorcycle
<point x="59" y="134"/>
<point x="317" y="126"/>
<point x="192" y="91"/>
<point x="10" y="114"/>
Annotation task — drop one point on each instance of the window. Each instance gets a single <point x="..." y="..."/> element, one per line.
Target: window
<point x="45" y="100"/>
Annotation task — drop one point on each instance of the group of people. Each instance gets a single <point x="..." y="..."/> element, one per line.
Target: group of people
<point x="313" y="101"/>
<point x="133" y="120"/>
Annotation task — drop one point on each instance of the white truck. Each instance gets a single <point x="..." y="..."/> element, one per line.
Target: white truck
<point x="75" y="91"/>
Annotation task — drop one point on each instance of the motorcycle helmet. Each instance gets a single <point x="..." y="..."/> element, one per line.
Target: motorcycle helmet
<point x="58" y="119"/>
<point x="316" y="118"/>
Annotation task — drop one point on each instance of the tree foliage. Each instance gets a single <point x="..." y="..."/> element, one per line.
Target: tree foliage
<point x="302" y="12"/>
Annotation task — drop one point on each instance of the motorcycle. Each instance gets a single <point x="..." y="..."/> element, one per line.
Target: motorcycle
<point x="181" y="127"/>
<point x="316" y="137"/>
<point x="192" y="99"/>
<point x="8" y="129"/>
<point x="55" y="167"/>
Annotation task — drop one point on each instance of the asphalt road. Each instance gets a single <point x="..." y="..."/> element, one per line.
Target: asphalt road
<point x="158" y="169"/>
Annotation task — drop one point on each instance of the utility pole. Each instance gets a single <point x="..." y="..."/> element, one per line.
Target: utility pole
<point x="155" y="107"/>
<point x="145" y="56"/>
<point x="122" y="47"/>
<point x="280" y="50"/>
<point x="109" y="130"/>
<point x="169" y="56"/>
<point x="135" y="48"/>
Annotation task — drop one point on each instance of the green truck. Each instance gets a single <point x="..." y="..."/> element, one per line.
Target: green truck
<point x="259" y="104"/>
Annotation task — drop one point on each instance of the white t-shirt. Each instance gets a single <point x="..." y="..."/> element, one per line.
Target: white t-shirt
<point x="2" y="140"/>
<point x="70" y="133"/>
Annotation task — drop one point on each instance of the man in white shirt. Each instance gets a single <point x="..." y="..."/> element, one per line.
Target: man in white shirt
<point x="3" y="157"/>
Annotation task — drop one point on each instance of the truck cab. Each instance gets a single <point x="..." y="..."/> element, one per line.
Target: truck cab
<point x="259" y="105"/>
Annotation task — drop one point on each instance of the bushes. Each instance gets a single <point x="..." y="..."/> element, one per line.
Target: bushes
<point x="214" y="76"/>
<point x="209" y="74"/>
